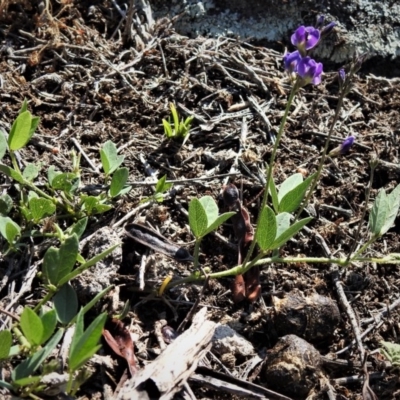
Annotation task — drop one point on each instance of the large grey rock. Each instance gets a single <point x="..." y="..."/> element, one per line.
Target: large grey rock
<point x="366" y="25"/>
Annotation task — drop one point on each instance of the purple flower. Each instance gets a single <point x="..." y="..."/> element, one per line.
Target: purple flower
<point x="346" y="144"/>
<point x="342" y="76"/>
<point x="326" y="30"/>
<point x="344" y="147"/>
<point x="310" y="71"/>
<point x="291" y="60"/>
<point x="305" y="38"/>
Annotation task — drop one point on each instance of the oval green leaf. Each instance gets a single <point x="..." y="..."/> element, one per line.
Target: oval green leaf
<point x="197" y="218"/>
<point x="266" y="230"/>
<point x="20" y="131"/>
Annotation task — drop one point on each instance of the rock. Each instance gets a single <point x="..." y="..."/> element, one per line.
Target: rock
<point x="367" y="25"/>
<point x="314" y="317"/>
<point x="101" y="275"/>
<point x="228" y="341"/>
<point x="292" y="367"/>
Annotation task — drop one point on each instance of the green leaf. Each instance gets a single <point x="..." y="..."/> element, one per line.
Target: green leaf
<point x="12" y="173"/>
<point x="92" y="205"/>
<point x="266" y="230"/>
<point x="167" y="129"/>
<point x="220" y="220"/>
<point x="197" y="218"/>
<point x="5" y="343"/>
<point x="51" y="174"/>
<point x="92" y="302"/>
<point x="88" y="264"/>
<point x="34" y="124"/>
<point x="29" y="365"/>
<point x="175" y="117"/>
<point x="40" y="208"/>
<point x="290" y="232"/>
<point x="392" y="352"/>
<point x="79" y="227"/>
<point x="31" y="172"/>
<point x="66" y="303"/>
<point x="118" y="181"/>
<point x="162" y="186"/>
<point x="31" y="326"/>
<point x="274" y="195"/>
<point x="5" y="204"/>
<point x="289" y="184"/>
<point x="210" y="207"/>
<point x="377" y="217"/>
<point x="49" y="322"/>
<point x="57" y="263"/>
<point x="293" y="198"/>
<point x="85" y="344"/>
<point x="24" y="106"/>
<point x="393" y="202"/>
<point x="3" y="144"/>
<point x="67" y="182"/>
<point x="9" y="229"/>
<point x="110" y="158"/>
<point x="20" y="131"/>
<point x="282" y="223"/>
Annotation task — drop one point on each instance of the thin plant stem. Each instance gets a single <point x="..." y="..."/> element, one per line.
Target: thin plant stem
<point x="367" y="196"/>
<point x="196" y="253"/>
<point x="259" y="261"/>
<point x="323" y="156"/>
<point x="293" y="92"/>
<point x="14" y="162"/>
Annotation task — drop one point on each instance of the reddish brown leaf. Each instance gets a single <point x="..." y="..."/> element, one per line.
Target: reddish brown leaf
<point x="238" y="289"/>
<point x="120" y="341"/>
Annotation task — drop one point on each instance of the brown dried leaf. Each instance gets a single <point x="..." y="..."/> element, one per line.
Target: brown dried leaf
<point x="120" y="341"/>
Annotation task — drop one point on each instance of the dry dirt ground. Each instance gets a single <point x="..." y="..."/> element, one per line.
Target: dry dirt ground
<point x="90" y="83"/>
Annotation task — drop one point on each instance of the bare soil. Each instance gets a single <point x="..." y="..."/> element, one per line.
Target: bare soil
<point x="89" y="84"/>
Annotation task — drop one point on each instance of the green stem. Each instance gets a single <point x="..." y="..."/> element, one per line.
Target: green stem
<point x="258" y="261"/>
<point x="365" y="246"/>
<point x="323" y="156"/>
<point x="196" y="253"/>
<point x="21" y="338"/>
<point x="293" y="92"/>
<point x="45" y="299"/>
<point x="14" y="162"/>
<point x="367" y="195"/>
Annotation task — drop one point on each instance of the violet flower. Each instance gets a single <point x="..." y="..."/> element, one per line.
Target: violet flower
<point x="310" y="71"/>
<point x="305" y="38"/>
<point x="344" y="147"/>
<point x="327" y="29"/>
<point x="291" y="60"/>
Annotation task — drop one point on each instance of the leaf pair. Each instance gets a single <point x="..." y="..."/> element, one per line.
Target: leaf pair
<point x="203" y="216"/>
<point x="110" y="161"/>
<point x="384" y="212"/>
<point x="291" y="193"/>
<point x="85" y="343"/>
<point x="274" y="231"/>
<point x="37" y="330"/>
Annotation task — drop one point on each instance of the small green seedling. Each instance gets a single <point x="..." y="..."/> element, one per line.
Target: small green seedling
<point x="162" y="186"/>
<point x="177" y="130"/>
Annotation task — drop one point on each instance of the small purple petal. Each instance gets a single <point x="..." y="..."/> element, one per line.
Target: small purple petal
<point x="291" y="60"/>
<point x="346" y="144"/>
<point x="326" y="30"/>
<point x="342" y="75"/>
<point x="310" y="71"/>
<point x="298" y="36"/>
